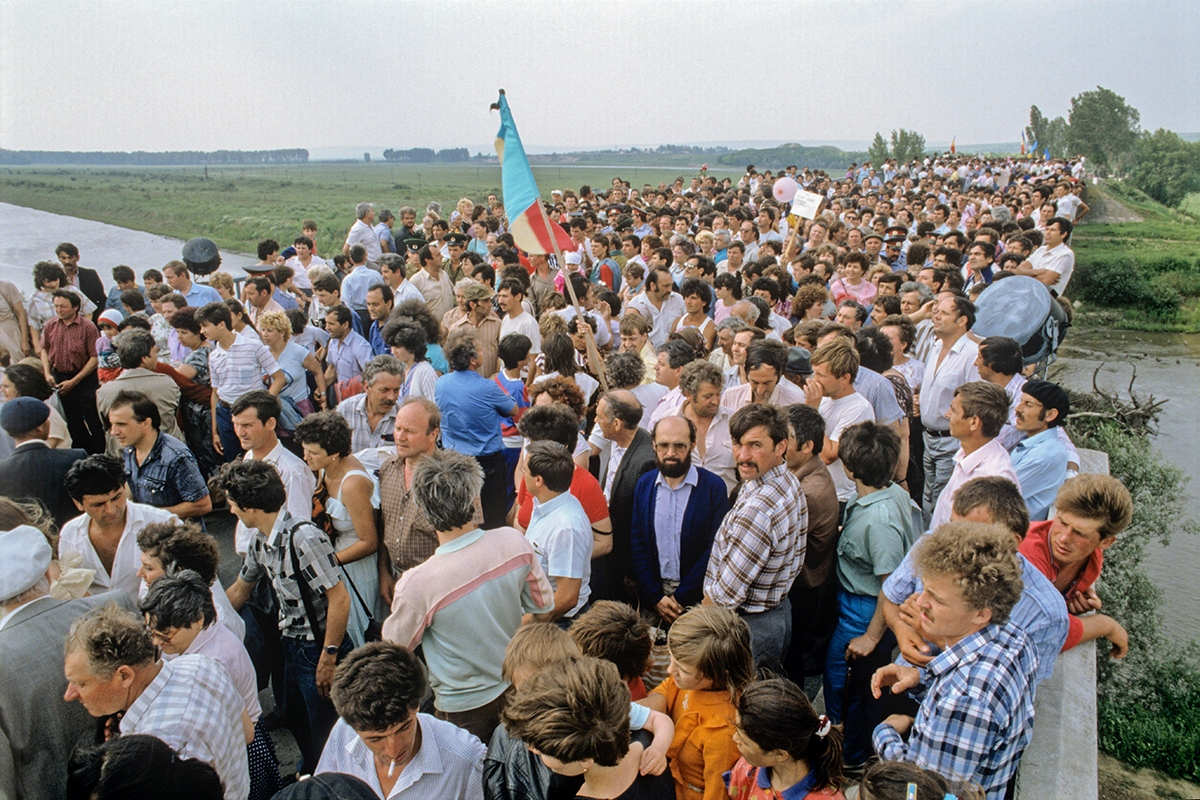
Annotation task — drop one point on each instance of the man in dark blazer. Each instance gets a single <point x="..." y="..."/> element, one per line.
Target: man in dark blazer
<point x="677" y="502"/>
<point x="35" y="471"/>
<point x="632" y="456"/>
<point x="84" y="279"/>
<point x="38" y="729"/>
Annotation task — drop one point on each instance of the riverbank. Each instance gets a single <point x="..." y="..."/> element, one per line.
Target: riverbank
<point x="1137" y="262"/>
<point x="238" y="206"/>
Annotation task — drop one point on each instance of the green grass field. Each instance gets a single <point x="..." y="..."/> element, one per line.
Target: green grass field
<point x="238" y="206"/>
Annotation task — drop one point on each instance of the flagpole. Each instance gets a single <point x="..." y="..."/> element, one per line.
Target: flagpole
<point x="592" y="351"/>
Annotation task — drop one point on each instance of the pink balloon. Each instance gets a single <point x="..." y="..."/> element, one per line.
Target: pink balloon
<point x="785" y="189"/>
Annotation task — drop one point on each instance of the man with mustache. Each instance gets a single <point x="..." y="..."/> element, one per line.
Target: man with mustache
<point x="372" y="414"/>
<point x="677" y="509"/>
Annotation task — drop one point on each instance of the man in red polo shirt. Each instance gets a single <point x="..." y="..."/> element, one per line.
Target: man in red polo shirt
<point x="1089" y="512"/>
<point x="69" y="361"/>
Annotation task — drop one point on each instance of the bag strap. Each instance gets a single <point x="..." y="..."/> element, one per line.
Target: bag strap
<point x="317" y="630"/>
<point x="353" y="588"/>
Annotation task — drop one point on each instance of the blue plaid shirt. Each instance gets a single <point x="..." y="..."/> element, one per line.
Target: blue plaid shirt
<point x="1040" y="610"/>
<point x="169" y="476"/>
<point x="976" y="716"/>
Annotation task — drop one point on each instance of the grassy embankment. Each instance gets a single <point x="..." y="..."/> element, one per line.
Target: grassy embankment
<point x="238" y="206"/>
<point x="1142" y="275"/>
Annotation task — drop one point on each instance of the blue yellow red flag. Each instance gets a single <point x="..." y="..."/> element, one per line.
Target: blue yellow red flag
<point x="532" y="230"/>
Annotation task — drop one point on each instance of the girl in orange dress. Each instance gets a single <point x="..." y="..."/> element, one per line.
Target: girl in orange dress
<point x="788" y="752"/>
<point x="710" y="665"/>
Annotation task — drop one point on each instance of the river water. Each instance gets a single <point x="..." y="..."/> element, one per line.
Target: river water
<point x="1168" y="366"/>
<point x="28" y="236"/>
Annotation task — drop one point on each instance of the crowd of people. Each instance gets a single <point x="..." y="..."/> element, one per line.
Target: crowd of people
<point x="599" y="523"/>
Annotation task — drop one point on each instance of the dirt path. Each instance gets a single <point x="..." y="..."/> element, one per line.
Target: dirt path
<point x="1106" y="210"/>
<point x="1121" y="782"/>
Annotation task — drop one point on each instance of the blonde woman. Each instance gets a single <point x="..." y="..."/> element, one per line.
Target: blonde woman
<point x="276" y="331"/>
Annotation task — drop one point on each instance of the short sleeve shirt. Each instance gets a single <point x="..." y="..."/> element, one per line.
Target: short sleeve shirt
<point x="169" y="476"/>
<point x="271" y="555"/>
<point x="472" y="407"/>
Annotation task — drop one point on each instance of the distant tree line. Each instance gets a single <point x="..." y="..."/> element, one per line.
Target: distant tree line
<point x="427" y="155"/>
<point x="906" y="146"/>
<point x="826" y="157"/>
<point x="297" y="155"/>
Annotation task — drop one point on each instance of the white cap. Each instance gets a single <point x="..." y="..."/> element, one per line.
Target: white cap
<point x="24" y="558"/>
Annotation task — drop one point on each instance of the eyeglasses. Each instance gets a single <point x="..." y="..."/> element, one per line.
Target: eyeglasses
<point x="672" y="447"/>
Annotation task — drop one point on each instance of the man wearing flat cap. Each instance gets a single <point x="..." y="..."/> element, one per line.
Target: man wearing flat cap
<point x="480" y="318"/>
<point x="37" y="730"/>
<point x="1040" y="459"/>
<point x="35" y="471"/>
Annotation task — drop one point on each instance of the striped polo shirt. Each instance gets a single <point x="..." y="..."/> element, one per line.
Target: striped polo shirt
<point x="239" y="369"/>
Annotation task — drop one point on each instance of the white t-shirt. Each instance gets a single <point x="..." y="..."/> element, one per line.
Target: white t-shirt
<point x="839" y="415"/>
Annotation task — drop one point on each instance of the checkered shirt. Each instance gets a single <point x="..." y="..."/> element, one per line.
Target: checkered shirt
<point x="976" y="716"/>
<point x="193" y="706"/>
<point x="759" y="548"/>
<point x="271" y="554"/>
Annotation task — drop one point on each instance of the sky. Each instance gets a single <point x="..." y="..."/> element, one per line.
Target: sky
<point x="267" y="74"/>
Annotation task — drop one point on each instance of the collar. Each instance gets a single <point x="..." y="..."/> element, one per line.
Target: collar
<point x="962" y="651"/>
<point x="794" y="792"/>
<point x="282" y="522"/>
<point x="971" y="462"/>
<point x="874" y="497"/>
<point x="270" y="457"/>
<point x="205" y="636"/>
<point x="1038" y="439"/>
<point x="466" y="540"/>
<point x="155" y="450"/>
<point x="32" y="444"/>
<point x="140" y="705"/>
<point x="551" y="505"/>
<point x="29" y="605"/>
<point x="426" y="761"/>
<point x="691" y="479"/>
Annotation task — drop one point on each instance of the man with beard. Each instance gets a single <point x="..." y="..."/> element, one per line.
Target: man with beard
<point x="677" y="509"/>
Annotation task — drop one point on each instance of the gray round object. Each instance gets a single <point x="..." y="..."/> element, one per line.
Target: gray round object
<point x="201" y="255"/>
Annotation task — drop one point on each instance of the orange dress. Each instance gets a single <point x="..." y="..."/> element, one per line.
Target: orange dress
<point x="703" y="749"/>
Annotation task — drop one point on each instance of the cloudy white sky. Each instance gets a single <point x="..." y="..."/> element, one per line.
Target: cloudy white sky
<point x="263" y="74"/>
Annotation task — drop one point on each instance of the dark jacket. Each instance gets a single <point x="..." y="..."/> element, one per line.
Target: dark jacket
<point x="511" y="772"/>
<point x="36" y="472"/>
<point x="637" y="461"/>
<point x="702" y="517"/>
<point x="92" y="288"/>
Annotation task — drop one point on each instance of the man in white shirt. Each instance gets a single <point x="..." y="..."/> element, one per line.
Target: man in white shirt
<point x="105" y="534"/>
<point x="362" y="232"/>
<point x="660" y="304"/>
<point x="1053" y="262"/>
<point x="380" y="738"/>
<point x="1070" y="206"/>
<point x="391" y="269"/>
<point x="113" y="667"/>
<point x="766" y="361"/>
<point x="512" y="295"/>
<point x="360" y="279"/>
<point x="950" y="364"/>
<point x="830" y="390"/>
<point x="302" y="261"/>
<point x="977" y="413"/>
<point x="255" y="421"/>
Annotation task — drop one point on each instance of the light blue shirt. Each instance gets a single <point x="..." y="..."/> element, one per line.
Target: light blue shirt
<point x="669" y="507"/>
<point x="1041" y="466"/>
<point x="471" y="407"/>
<point x="356" y="285"/>
<point x="1040" y="612"/>
<point x="561" y="535"/>
<point x="200" y="294"/>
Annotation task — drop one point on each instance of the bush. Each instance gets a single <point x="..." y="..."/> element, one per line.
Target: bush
<point x="1124" y="283"/>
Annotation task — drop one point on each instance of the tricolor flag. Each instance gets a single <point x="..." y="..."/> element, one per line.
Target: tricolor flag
<point x="1023" y="142"/>
<point x="531" y="228"/>
<point x="953" y="149"/>
<point x="1033" y="150"/>
<point x="1047" y="153"/>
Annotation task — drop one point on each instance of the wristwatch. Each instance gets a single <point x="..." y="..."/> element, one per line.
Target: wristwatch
<point x="331" y="649"/>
